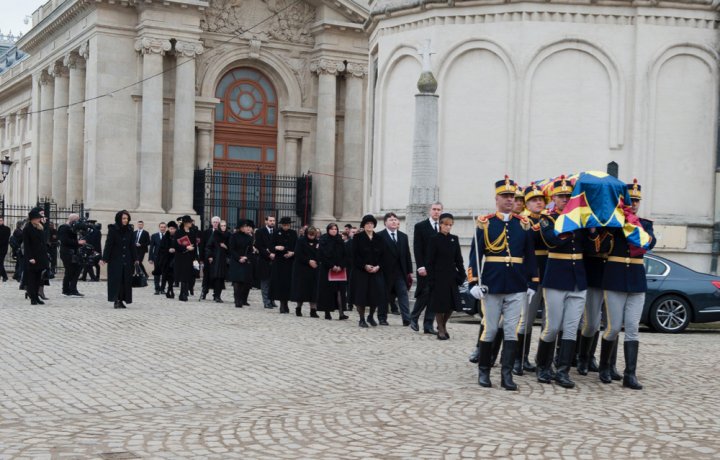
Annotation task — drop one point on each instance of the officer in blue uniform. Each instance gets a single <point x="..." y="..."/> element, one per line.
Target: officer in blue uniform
<point x="506" y="245"/>
<point x="564" y="289"/>
<point x="625" y="285"/>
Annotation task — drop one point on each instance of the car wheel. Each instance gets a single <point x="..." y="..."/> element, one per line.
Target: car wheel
<point x="670" y="314"/>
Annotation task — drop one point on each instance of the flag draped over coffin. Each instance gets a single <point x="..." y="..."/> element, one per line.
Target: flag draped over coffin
<point x="600" y="200"/>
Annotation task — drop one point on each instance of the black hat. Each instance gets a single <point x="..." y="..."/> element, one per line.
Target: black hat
<point x="285" y="221"/>
<point x="368" y="218"/>
<point x="172" y="224"/>
<point x="561" y="186"/>
<point x="505" y="186"/>
<point x="635" y="190"/>
<point x="445" y="215"/>
<point x="34" y="214"/>
<point x="246" y="223"/>
<point x="185" y="219"/>
<point x="532" y="190"/>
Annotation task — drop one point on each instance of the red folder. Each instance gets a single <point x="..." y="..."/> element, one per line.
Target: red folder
<point x="184" y="241"/>
<point x="337" y="276"/>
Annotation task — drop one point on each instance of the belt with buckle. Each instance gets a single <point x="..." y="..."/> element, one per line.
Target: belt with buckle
<point x="625" y="260"/>
<point x="573" y="256"/>
<point x="504" y="259"/>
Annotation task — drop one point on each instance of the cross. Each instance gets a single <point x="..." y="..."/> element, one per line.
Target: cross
<point x="424" y="51"/>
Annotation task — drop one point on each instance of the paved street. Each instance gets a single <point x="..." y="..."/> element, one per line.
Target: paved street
<point x="165" y="379"/>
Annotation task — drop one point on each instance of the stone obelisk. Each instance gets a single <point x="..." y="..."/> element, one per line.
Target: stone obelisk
<point x="424" y="180"/>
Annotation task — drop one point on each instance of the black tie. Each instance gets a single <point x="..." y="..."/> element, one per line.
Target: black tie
<point x="393" y="237"/>
<point x="435" y="223"/>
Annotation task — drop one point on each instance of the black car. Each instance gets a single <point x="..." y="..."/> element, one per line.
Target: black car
<point x="676" y="296"/>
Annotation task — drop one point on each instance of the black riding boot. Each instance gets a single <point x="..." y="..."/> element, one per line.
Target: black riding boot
<point x="527" y="365"/>
<point x="593" y="364"/>
<point x="558" y="342"/>
<point x="544" y="361"/>
<point x="484" y="364"/>
<point x="562" y="376"/>
<point x="614" y="374"/>
<point x="506" y="365"/>
<point x="496" y="344"/>
<point x="631" y="355"/>
<point x="517" y="364"/>
<point x="584" y="355"/>
<point x="606" y="351"/>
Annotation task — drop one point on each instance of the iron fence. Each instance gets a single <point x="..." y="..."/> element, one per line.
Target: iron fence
<point x="235" y="196"/>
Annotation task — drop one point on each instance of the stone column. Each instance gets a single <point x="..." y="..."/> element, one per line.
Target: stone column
<point x="291" y="156"/>
<point x="2" y="133"/>
<point x="204" y="154"/>
<point x="151" y="135"/>
<point x="353" y="143"/>
<point x="324" y="163"/>
<point x="60" y="134"/>
<point x="184" y="132"/>
<point x="32" y="186"/>
<point x="76" y="125"/>
<point x="424" y="179"/>
<point x="45" y="161"/>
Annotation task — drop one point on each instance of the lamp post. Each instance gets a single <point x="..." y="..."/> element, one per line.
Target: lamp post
<point x="6" y="163"/>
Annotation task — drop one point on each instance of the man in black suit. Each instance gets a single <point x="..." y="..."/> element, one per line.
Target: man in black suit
<point x="4" y="242"/>
<point x="69" y="245"/>
<point x="142" y="241"/>
<point x="155" y="240"/>
<point x="424" y="230"/>
<point x="396" y="267"/>
<point x="204" y="240"/>
<point x="263" y="243"/>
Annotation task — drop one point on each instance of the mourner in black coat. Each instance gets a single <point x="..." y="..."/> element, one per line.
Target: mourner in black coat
<point x="35" y="254"/>
<point x="368" y="286"/>
<point x="4" y="242"/>
<point x="263" y="268"/>
<point x="333" y="259"/>
<point x="185" y="245"/>
<point x="422" y="233"/>
<point x="216" y="254"/>
<point x="165" y="259"/>
<point x="240" y="269"/>
<point x="16" y="241"/>
<point x="305" y="272"/>
<point x="446" y="271"/>
<point x="283" y="247"/>
<point x="120" y="255"/>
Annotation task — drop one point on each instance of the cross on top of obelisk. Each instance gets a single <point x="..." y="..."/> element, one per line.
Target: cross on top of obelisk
<point x="425" y="51"/>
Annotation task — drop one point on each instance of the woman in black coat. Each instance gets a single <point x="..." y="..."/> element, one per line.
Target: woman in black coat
<point x="445" y="272"/>
<point x="368" y="286"/>
<point x="332" y="259"/>
<point x="216" y="253"/>
<point x="120" y="255"/>
<point x="35" y="254"/>
<point x="305" y="272"/>
<point x="283" y="245"/>
<point x="165" y="262"/>
<point x="240" y="269"/>
<point x="184" y="243"/>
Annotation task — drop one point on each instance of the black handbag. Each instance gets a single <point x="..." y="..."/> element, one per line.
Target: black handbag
<point x="47" y="274"/>
<point x="139" y="279"/>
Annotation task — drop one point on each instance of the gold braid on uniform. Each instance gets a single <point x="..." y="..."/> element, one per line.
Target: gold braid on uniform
<point x="547" y="216"/>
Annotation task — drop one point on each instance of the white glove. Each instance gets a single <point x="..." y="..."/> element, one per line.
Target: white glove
<point x="477" y="292"/>
<point x="530" y="294"/>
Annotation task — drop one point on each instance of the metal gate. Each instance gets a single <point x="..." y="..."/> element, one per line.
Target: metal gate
<point x="235" y="196"/>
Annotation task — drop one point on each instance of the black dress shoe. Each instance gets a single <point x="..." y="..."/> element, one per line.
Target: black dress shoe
<point x="246" y="304"/>
<point x="371" y="321"/>
<point x="313" y="314"/>
<point x="343" y="317"/>
<point x="443" y="337"/>
<point x="117" y="304"/>
<point x="406" y="323"/>
<point x="77" y="294"/>
<point x="218" y="300"/>
<point x="183" y="298"/>
<point x="430" y="331"/>
<point x="383" y="323"/>
<point x="362" y="323"/>
<point x="414" y="326"/>
<point x="298" y="311"/>
<point x="327" y="315"/>
<point x="157" y="292"/>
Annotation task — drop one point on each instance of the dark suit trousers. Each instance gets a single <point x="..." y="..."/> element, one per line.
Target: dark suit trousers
<point x="398" y="287"/>
<point x="72" y="273"/>
<point x="3" y="273"/>
<point x="421" y="303"/>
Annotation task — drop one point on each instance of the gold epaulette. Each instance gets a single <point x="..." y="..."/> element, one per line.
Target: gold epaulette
<point x="524" y="221"/>
<point x="482" y="221"/>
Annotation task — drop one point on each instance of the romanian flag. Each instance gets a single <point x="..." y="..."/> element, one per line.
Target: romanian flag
<point x="599" y="200"/>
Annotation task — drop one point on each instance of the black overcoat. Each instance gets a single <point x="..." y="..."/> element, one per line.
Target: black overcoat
<point x="240" y="245"/>
<point x="35" y="247"/>
<point x="304" y="277"/>
<point x="331" y="253"/>
<point x="263" y="243"/>
<point x="368" y="289"/>
<point x="164" y="259"/>
<point x="184" y="272"/>
<point x="281" y="271"/>
<point x="120" y="254"/>
<point x="446" y="271"/>
<point x="214" y="249"/>
<point x="422" y="233"/>
<point x="4" y="239"/>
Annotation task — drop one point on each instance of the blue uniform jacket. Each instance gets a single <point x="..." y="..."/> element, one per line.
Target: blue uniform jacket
<point x="541" y="247"/>
<point x="566" y="273"/>
<point x="513" y="238"/>
<point x="625" y="276"/>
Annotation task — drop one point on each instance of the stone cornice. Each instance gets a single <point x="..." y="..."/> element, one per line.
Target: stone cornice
<point x="188" y="49"/>
<point x="61" y="16"/>
<point x="329" y="66"/>
<point x="150" y="45"/>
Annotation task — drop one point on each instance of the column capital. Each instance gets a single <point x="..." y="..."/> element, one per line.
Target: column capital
<point x="58" y="70"/>
<point x="356" y="69"/>
<point x="84" y="50"/>
<point x="188" y="49"/>
<point x="45" y="78"/>
<point x="328" y="66"/>
<point x="148" y="45"/>
<point x="73" y="60"/>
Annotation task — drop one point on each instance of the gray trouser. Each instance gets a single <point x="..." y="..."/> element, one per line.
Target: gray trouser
<point x="563" y="310"/>
<point x="265" y="290"/>
<point x="507" y="306"/>
<point x="593" y="311"/>
<point x="623" y="309"/>
<point x="531" y="311"/>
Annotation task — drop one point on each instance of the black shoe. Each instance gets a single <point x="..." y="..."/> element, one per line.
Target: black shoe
<point x="506" y="365"/>
<point x="475" y="355"/>
<point x="117" y="304"/>
<point x="371" y="321"/>
<point x="203" y="295"/>
<point x="430" y="331"/>
<point x="245" y="304"/>
<point x="218" y="300"/>
<point x="406" y="323"/>
<point x="606" y="350"/>
<point x="65" y="294"/>
<point x="238" y="305"/>
<point x="414" y="326"/>
<point x="157" y="291"/>
<point x="517" y="368"/>
<point x="192" y="292"/>
<point x="183" y="298"/>
<point x="484" y="364"/>
<point x="544" y="361"/>
<point x="383" y="323"/>
<point x="298" y="311"/>
<point x="77" y="294"/>
<point x="631" y="354"/>
<point x="269" y="307"/>
<point x="34" y="301"/>
<point x="170" y="294"/>
<point x="313" y="314"/>
<point x="562" y="376"/>
<point x="443" y="337"/>
<point x="362" y="323"/>
<point x="343" y="317"/>
<point x="527" y="365"/>
<point x="327" y="315"/>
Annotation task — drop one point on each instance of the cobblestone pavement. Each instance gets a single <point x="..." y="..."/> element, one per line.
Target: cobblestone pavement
<point x="165" y="379"/>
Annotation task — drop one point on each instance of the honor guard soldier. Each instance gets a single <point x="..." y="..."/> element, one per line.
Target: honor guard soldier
<point x="535" y="201"/>
<point x="505" y="243"/>
<point x="564" y="289"/>
<point x="625" y="285"/>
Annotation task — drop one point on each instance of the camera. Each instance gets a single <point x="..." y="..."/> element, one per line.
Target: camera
<point x="83" y="227"/>
<point x="86" y="255"/>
